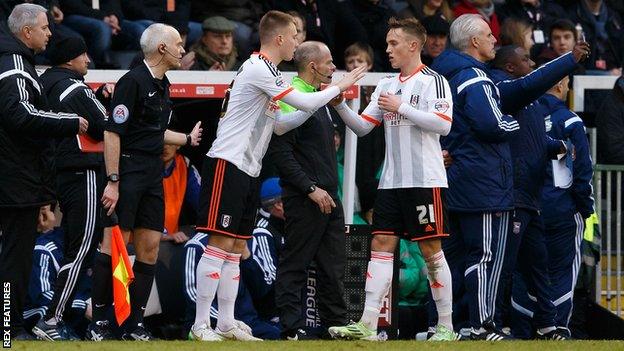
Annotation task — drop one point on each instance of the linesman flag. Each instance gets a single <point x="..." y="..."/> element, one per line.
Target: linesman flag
<point x="122" y="276"/>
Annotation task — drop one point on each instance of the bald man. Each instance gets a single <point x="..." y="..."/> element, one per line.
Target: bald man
<point x="306" y="160"/>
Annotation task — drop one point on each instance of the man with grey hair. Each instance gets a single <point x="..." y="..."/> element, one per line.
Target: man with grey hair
<point x="26" y="131"/>
<point x="314" y="232"/>
<point x="480" y="194"/>
<point x="134" y="138"/>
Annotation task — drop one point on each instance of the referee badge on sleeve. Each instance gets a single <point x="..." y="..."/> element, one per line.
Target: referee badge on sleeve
<point x="120" y="114"/>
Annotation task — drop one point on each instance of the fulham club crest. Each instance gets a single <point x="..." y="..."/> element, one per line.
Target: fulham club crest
<point x="414" y="100"/>
<point x="226" y="220"/>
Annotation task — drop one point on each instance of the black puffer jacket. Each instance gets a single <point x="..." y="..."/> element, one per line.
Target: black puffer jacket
<point x="26" y="129"/>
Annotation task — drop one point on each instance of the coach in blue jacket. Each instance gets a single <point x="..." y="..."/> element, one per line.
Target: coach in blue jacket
<point x="480" y="194"/>
<point x="530" y="148"/>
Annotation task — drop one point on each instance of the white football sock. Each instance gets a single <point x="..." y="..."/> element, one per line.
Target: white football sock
<point x="378" y="279"/>
<point x="207" y="280"/>
<point x="227" y="291"/>
<point x="440" y="282"/>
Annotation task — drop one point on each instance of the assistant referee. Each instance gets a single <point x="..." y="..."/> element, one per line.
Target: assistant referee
<point x="134" y="138"/>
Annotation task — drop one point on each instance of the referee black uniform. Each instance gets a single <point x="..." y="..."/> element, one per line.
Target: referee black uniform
<point x="78" y="174"/>
<point x="306" y="158"/>
<point x="141" y="111"/>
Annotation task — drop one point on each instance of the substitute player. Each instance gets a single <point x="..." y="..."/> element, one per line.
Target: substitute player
<point x="230" y="172"/>
<point x="415" y="108"/>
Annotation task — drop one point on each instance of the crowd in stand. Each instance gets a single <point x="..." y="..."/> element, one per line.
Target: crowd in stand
<point x="221" y="35"/>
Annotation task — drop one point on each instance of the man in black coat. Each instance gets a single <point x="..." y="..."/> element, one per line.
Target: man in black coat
<point x="78" y="164"/>
<point x="306" y="161"/>
<point x="25" y="131"/>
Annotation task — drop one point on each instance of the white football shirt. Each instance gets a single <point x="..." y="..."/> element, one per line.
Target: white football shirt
<point x="244" y="131"/>
<point x="413" y="156"/>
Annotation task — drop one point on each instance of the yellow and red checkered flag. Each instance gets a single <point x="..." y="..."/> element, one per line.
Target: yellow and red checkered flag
<point x="122" y="276"/>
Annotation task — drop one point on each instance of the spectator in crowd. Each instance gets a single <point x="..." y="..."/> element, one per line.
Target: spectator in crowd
<point x="485" y="8"/>
<point x="478" y="141"/>
<point x="358" y="54"/>
<point x="437" y="38"/>
<point x="540" y="14"/>
<point x="332" y="22"/>
<point x="371" y="147"/>
<point x="134" y="138"/>
<point x="300" y="24"/>
<point x="426" y="8"/>
<point x="97" y="22"/>
<point x="417" y="103"/>
<point x="245" y="314"/>
<point x="564" y="217"/>
<point x="181" y="183"/>
<point x="374" y="19"/>
<point x="610" y="126"/>
<point x="517" y="32"/>
<point x="244" y="13"/>
<point x="306" y="161"/>
<point x="215" y="50"/>
<point x="228" y="216"/>
<point x="562" y="37"/>
<point x="26" y="134"/>
<point x="530" y="150"/>
<point x="259" y="261"/>
<point x="143" y="13"/>
<point x="604" y="31"/>
<point x="78" y="174"/>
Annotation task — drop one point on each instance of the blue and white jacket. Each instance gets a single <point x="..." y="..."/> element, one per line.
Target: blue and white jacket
<point x="47" y="256"/>
<point x="531" y="148"/>
<point x="481" y="176"/>
<point x="561" y="123"/>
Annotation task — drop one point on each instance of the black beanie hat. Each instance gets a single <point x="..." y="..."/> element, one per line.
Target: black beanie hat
<point x="66" y="49"/>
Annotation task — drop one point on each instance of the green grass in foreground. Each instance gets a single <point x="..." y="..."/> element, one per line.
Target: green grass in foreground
<point x="322" y="346"/>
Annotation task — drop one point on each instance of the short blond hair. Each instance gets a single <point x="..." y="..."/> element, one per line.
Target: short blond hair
<point x="272" y="23"/>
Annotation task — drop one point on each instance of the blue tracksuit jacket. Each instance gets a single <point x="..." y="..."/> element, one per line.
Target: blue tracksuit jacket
<point x="481" y="176"/>
<point x="561" y="123"/>
<point x="531" y="148"/>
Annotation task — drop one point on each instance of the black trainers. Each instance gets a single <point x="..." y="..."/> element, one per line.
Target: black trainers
<point x="23" y="335"/>
<point x="99" y="331"/>
<point x="45" y="331"/>
<point x="297" y="335"/>
<point x="138" y="334"/>
<point x="556" y="334"/>
<point x="489" y="335"/>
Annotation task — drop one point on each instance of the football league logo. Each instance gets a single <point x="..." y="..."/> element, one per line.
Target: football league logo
<point x="441" y="106"/>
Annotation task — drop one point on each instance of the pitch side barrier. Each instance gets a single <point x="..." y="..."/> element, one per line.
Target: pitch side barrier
<point x="608" y="195"/>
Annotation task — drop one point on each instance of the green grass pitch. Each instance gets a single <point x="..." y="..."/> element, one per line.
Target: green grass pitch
<point x="321" y="346"/>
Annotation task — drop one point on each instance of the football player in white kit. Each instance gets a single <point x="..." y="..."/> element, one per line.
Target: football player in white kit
<point x="229" y="190"/>
<point x="416" y="108"/>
